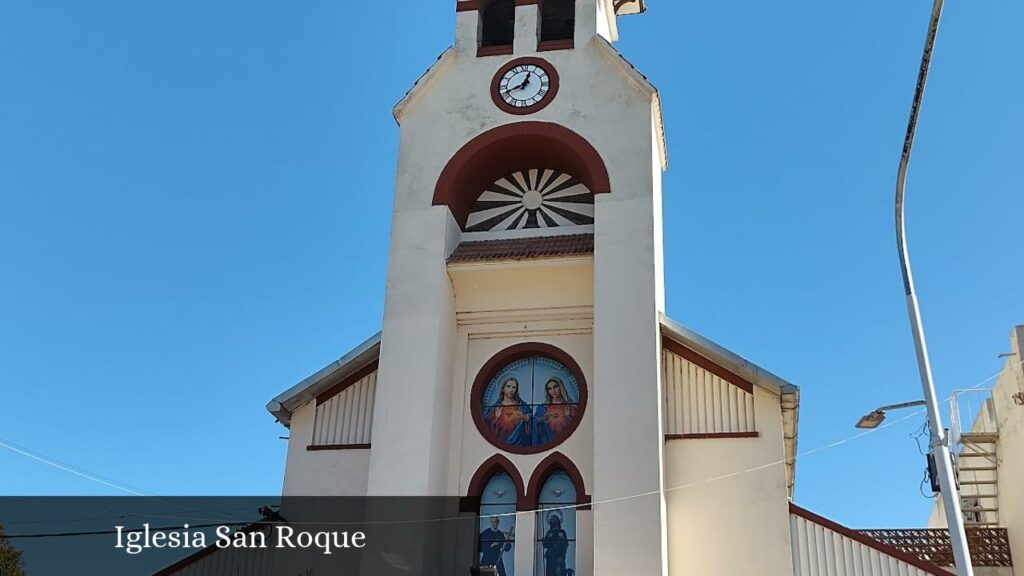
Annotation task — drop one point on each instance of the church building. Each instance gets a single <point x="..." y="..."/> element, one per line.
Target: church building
<point x="525" y="363"/>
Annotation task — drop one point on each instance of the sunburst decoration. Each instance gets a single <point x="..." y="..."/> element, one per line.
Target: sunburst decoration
<point x="539" y="198"/>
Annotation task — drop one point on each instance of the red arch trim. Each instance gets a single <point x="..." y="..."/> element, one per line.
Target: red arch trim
<point x="490" y="467"/>
<point x="554" y="462"/>
<point x="511" y="148"/>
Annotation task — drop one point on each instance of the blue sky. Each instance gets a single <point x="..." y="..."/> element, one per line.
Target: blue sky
<point x="195" y="206"/>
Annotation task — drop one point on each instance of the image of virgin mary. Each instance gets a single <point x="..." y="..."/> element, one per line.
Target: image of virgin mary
<point x="510" y="418"/>
<point x="556" y="414"/>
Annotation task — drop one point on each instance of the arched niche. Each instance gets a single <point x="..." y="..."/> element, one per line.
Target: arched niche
<point x="553" y="463"/>
<point x="493" y="465"/>
<point x="515" y="147"/>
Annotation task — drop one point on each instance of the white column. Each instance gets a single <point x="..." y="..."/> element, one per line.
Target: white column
<point x="411" y="415"/>
<point x="467" y="32"/>
<point x="630" y="536"/>
<point x="526" y="542"/>
<point x="595" y="17"/>
<point x="527" y="29"/>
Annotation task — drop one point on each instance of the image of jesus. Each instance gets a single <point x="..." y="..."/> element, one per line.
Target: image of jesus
<point x="510" y="418"/>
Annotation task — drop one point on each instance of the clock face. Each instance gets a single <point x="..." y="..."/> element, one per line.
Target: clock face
<point x="524" y="86"/>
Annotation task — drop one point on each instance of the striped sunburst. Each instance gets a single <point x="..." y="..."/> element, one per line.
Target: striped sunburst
<point x="540" y="198"/>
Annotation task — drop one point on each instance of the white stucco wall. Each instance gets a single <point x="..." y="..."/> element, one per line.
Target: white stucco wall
<point x="722" y="520"/>
<point x="501" y="305"/>
<point x="411" y="411"/>
<point x="993" y="571"/>
<point x="321" y="472"/>
<point x="1010" y="449"/>
<point x="1009" y="417"/>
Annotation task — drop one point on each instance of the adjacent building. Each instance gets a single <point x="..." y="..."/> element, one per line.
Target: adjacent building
<point x="987" y="436"/>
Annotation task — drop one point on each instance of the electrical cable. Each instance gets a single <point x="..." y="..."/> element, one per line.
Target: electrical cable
<point x="595" y="503"/>
<point x="70" y="469"/>
<point x="549" y="508"/>
<point x="110" y="532"/>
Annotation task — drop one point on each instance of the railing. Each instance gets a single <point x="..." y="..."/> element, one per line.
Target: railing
<point x="989" y="546"/>
<point x="970" y="413"/>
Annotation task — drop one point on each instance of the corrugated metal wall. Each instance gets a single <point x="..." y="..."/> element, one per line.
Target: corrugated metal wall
<point x="699" y="402"/>
<point x="346" y="418"/>
<point x="820" y="551"/>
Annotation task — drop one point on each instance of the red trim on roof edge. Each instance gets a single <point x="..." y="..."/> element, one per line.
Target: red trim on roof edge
<point x="869" y="541"/>
<point x="689" y="355"/>
<point x="712" y="436"/>
<point x="347" y="382"/>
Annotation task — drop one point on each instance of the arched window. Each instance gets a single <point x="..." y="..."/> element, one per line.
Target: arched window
<point x="556" y="526"/>
<point x="496" y="546"/>
<point x="497" y="23"/>
<point x="557" y="20"/>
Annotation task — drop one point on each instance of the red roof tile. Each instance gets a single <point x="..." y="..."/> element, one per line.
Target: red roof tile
<point x="523" y="248"/>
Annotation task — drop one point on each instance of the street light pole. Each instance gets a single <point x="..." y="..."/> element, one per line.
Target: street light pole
<point x="939" y="439"/>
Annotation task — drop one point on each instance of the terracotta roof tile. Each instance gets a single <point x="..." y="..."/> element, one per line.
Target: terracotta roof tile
<point x="523" y="248"/>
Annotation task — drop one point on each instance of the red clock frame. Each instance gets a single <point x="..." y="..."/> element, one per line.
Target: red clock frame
<point x="552" y="90"/>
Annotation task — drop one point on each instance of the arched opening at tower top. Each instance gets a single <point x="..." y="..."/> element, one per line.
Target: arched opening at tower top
<point x="537" y="150"/>
<point x="497" y="23"/>
<point x="557" y="20"/>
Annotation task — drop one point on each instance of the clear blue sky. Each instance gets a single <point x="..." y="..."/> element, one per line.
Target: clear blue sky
<point x="195" y="205"/>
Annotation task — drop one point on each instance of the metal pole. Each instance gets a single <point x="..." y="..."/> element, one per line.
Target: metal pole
<point x="939" y="440"/>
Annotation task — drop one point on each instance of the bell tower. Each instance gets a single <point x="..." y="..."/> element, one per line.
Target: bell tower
<point x="521" y="341"/>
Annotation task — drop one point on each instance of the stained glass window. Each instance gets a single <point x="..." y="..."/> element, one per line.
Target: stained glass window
<point x="498" y="524"/>
<point x="556" y="527"/>
<point x="530" y="404"/>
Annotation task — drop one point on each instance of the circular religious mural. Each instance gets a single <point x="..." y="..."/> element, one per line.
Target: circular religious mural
<point x="529" y="398"/>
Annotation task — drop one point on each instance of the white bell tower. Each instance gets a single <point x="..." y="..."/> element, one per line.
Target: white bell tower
<point x="525" y="367"/>
<point x="528" y="215"/>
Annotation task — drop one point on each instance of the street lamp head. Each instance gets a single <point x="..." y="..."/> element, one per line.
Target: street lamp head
<point x="872" y="420"/>
<point x="875" y="418"/>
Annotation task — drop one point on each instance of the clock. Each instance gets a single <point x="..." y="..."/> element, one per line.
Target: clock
<point x="524" y="86"/>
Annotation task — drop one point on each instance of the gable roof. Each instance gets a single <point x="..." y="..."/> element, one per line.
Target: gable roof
<point x="727" y="358"/>
<point x="425" y="79"/>
<point x="324" y="379"/>
<point x="368" y="352"/>
<point x="788" y="393"/>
